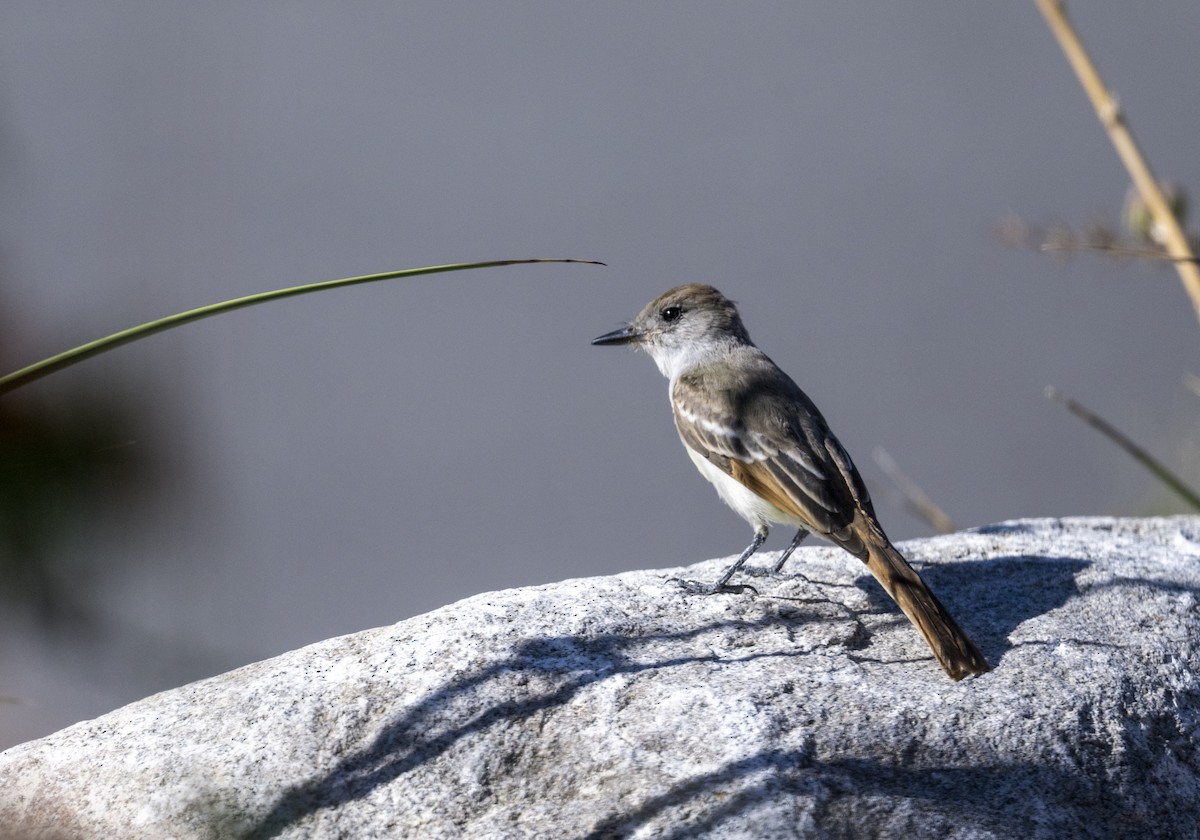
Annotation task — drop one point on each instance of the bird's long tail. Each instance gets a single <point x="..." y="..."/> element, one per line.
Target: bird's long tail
<point x="953" y="649"/>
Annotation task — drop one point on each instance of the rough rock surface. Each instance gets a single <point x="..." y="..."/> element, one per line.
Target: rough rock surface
<point x="620" y="707"/>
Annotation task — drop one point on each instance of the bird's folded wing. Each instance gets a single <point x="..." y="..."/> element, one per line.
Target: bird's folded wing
<point x="773" y="460"/>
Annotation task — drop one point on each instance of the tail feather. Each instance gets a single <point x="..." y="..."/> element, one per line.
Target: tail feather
<point x="954" y="650"/>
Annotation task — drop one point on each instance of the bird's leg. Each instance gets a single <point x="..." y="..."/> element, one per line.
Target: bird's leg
<point x="759" y="536"/>
<point x="783" y="558"/>
<point x="697" y="588"/>
<point x="694" y="587"/>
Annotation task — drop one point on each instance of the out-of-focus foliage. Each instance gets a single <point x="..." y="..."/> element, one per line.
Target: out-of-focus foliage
<point x="62" y="465"/>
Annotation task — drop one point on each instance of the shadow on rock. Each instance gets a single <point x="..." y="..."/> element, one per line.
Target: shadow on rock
<point x="841" y="796"/>
<point x="991" y="598"/>
<point x="541" y="673"/>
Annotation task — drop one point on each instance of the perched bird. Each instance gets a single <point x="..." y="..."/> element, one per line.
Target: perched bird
<point x="763" y="444"/>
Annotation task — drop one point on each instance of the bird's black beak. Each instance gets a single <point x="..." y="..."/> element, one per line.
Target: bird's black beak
<point x="625" y="335"/>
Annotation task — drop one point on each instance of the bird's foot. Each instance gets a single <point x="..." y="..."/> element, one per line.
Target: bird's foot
<point x="695" y="587"/>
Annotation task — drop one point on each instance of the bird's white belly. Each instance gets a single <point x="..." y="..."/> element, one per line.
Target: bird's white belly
<point x="748" y="505"/>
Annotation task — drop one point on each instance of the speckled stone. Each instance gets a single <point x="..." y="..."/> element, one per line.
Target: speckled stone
<point x="621" y="707"/>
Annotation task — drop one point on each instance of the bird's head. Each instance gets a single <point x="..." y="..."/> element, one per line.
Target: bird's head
<point x="681" y="327"/>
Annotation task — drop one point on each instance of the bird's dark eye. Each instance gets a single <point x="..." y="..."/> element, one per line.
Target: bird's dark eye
<point x="671" y="313"/>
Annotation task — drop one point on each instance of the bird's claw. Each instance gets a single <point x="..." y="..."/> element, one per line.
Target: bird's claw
<point x="695" y="587"/>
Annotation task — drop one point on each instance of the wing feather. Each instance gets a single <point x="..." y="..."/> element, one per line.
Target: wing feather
<point x="778" y="461"/>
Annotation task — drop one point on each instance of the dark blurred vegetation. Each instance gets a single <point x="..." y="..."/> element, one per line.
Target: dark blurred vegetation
<point x="64" y="463"/>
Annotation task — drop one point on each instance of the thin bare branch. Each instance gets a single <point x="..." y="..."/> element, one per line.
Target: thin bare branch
<point x="1192" y="382"/>
<point x="914" y="498"/>
<point x="1109" y="111"/>
<point x="1115" y="251"/>
<point x="1120" y="439"/>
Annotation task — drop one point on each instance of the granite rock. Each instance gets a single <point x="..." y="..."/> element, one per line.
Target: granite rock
<point x="622" y="707"/>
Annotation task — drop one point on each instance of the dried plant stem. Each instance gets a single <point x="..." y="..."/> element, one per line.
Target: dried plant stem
<point x="1192" y="382"/>
<point x="1116" y="251"/>
<point x="915" y="499"/>
<point x="1138" y="453"/>
<point x="1108" y="109"/>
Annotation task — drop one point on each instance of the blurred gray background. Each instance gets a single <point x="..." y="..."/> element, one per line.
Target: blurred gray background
<point x="279" y="475"/>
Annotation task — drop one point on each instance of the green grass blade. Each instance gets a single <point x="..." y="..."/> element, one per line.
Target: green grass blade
<point x="45" y="367"/>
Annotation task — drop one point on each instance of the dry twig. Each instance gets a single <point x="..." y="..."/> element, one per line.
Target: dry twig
<point x="915" y="500"/>
<point x="1108" y="109"/>
<point x="1119" y="438"/>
